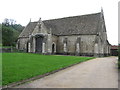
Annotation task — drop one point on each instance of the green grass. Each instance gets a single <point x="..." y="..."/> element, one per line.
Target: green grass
<point x="6" y="46"/>
<point x="20" y="66"/>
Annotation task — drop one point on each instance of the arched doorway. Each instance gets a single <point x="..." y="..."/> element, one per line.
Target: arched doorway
<point x="39" y="41"/>
<point x="53" y="48"/>
<point x="27" y="47"/>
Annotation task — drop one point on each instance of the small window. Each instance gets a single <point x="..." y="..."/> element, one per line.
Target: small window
<point x="65" y="40"/>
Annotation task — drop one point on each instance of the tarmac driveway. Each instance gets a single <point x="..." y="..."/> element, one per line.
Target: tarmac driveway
<point x="96" y="73"/>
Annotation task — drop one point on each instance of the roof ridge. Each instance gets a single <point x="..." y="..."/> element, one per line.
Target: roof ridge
<point x="34" y="22"/>
<point x="73" y="25"/>
<point x="28" y="29"/>
<point x="73" y="16"/>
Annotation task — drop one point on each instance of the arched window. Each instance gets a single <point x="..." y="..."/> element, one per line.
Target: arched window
<point x="43" y="47"/>
<point x="65" y="45"/>
<point x="28" y="46"/>
<point x="78" y="45"/>
<point x="96" y="48"/>
<point x="53" y="48"/>
<point x="18" y="45"/>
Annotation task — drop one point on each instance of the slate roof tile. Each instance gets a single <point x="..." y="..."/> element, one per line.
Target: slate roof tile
<point x="85" y="24"/>
<point x="75" y="25"/>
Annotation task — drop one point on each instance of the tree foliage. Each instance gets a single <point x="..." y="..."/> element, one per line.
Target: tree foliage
<point x="7" y="36"/>
<point x="9" y="22"/>
<point x="10" y="32"/>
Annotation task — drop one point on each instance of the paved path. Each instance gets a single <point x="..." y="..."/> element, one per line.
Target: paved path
<point x="96" y="73"/>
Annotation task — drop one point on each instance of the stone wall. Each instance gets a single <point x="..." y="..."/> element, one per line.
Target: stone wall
<point x="40" y="28"/>
<point x="55" y="42"/>
<point x="22" y="43"/>
<point x="86" y="44"/>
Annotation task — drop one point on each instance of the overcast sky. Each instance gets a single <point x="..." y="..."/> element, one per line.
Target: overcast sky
<point x="23" y="10"/>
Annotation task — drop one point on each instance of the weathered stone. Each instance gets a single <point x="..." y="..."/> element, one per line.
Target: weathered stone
<point x="79" y="35"/>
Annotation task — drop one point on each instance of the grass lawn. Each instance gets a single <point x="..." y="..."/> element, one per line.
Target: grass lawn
<point x="20" y="66"/>
<point x="5" y="46"/>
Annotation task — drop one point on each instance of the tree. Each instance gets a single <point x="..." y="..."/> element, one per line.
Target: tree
<point x="12" y="22"/>
<point x="7" y="36"/>
<point x="9" y="22"/>
<point x="6" y="22"/>
<point x="10" y="32"/>
<point x="18" y="27"/>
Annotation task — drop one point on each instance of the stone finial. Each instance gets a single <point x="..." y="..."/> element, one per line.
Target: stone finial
<point x="40" y="19"/>
<point x="50" y="31"/>
<point x="102" y="13"/>
<point x="39" y="24"/>
<point x="102" y="10"/>
<point x="30" y="19"/>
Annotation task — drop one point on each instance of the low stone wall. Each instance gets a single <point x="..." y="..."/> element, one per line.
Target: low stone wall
<point x="9" y="50"/>
<point x="0" y="50"/>
<point x="3" y="50"/>
<point x="85" y="54"/>
<point x="77" y="54"/>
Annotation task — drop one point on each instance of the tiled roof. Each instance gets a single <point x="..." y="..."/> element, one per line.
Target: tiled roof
<point x="85" y="24"/>
<point x="75" y="25"/>
<point x="28" y="29"/>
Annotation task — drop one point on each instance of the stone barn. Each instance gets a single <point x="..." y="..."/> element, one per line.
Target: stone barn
<point x="83" y="35"/>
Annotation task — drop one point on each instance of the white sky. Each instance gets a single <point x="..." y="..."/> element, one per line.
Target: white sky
<point x="23" y="10"/>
